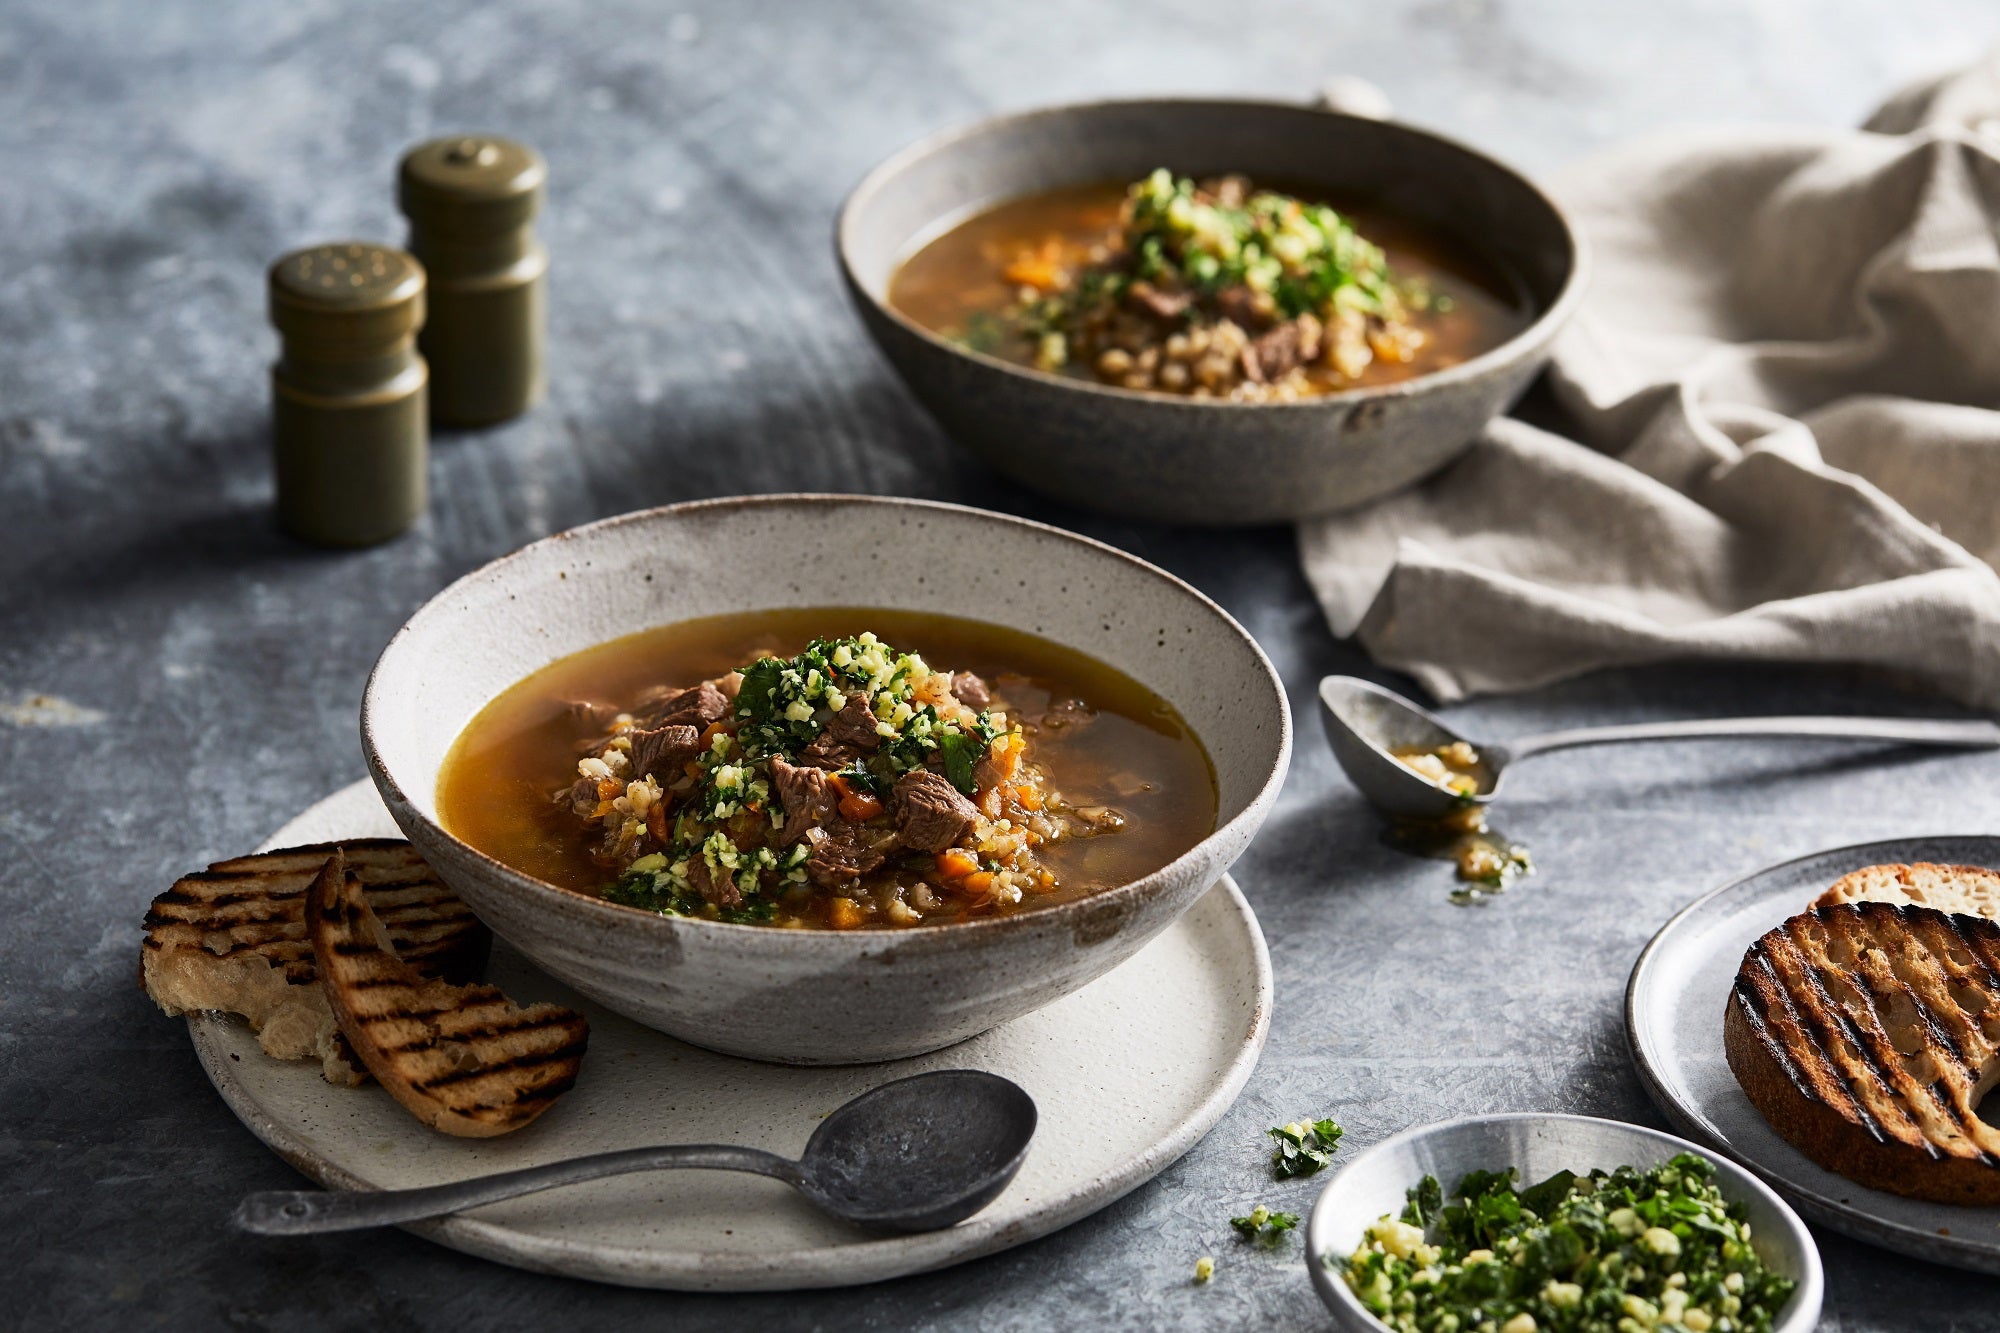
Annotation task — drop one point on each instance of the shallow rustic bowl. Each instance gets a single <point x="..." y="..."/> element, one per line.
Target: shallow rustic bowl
<point x="1538" y="1145"/>
<point x="813" y="996"/>
<point x="1201" y="461"/>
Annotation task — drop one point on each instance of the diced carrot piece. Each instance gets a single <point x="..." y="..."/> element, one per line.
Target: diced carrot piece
<point x="858" y="807"/>
<point x="1029" y="798"/>
<point x="845" y="914"/>
<point x="956" y="863"/>
<point x="980" y="882"/>
<point x="839" y="783"/>
<point x="656" y="820"/>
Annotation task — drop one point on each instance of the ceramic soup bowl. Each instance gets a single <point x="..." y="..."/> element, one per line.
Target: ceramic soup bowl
<point x="1185" y="460"/>
<point x="820" y="996"/>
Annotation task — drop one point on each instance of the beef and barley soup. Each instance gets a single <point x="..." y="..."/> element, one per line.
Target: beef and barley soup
<point x="830" y="768"/>
<point x="1210" y="289"/>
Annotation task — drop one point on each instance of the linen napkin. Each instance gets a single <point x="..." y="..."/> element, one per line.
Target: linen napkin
<point x="1786" y="372"/>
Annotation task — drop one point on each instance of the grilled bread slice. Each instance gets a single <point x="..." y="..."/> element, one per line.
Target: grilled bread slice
<point x="1866" y="1034"/>
<point x="233" y="938"/>
<point x="1967" y="890"/>
<point x="462" y="1059"/>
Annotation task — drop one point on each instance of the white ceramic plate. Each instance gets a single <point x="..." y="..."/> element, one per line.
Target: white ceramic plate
<point x="1128" y="1073"/>
<point x="1673" y="1016"/>
<point x="1538" y="1145"/>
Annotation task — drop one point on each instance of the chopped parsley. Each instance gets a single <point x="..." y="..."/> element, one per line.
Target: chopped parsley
<point x="1617" y="1251"/>
<point x="1263" y="1226"/>
<point x="1304" y="1148"/>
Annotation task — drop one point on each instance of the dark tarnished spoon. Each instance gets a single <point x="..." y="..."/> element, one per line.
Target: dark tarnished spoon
<point x="919" y="1154"/>
<point x="1364" y="722"/>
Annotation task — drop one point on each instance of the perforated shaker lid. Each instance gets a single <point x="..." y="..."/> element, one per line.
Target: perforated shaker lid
<point x="470" y="186"/>
<point x="348" y="292"/>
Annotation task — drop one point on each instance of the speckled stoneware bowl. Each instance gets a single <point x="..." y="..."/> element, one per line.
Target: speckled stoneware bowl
<point x="1194" y="461"/>
<point x="811" y="996"/>
<point x="1537" y="1144"/>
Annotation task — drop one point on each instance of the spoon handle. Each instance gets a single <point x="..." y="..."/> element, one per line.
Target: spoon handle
<point x="303" y="1212"/>
<point x="1972" y="735"/>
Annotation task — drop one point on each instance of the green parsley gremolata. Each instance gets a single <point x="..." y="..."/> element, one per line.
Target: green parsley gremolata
<point x="1623" y="1252"/>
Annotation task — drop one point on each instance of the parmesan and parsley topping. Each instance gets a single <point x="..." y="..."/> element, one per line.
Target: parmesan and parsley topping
<point x="1625" y="1252"/>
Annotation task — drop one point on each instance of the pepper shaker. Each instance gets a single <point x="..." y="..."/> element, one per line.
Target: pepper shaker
<point x="471" y="201"/>
<point x="349" y="410"/>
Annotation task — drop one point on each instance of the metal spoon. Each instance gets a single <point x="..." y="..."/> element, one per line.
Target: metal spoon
<point x="1364" y="722"/>
<point x="918" y="1154"/>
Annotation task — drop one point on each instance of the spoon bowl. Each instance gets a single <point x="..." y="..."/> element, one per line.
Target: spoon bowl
<point x="919" y="1154"/>
<point x="1364" y="722"/>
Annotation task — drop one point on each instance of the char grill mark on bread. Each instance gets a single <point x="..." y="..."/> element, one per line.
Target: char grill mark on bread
<point x="462" y="1059"/>
<point x="256" y="905"/>
<point x="1867" y="1033"/>
<point x="232" y="939"/>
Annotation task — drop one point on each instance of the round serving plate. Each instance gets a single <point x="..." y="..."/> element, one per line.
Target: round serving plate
<point x="1537" y="1144"/>
<point x="1127" y="1073"/>
<point x="1674" y="1006"/>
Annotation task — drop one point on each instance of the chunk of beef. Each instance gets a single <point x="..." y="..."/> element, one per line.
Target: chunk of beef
<point x="582" y="797"/>
<point x="854" y="724"/>
<point x="664" y="751"/>
<point x="849" y="734"/>
<point x="807" y="796"/>
<point x="592" y="713"/>
<point x="931" y="814"/>
<point x="1273" y="355"/>
<point x="842" y="853"/>
<point x="719" y="889"/>
<point x="1167" y="307"/>
<point x="696" y="707"/>
<point x="1239" y="305"/>
<point x="971" y="691"/>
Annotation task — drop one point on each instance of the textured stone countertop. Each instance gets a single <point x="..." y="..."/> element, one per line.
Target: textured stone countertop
<point x="177" y="679"/>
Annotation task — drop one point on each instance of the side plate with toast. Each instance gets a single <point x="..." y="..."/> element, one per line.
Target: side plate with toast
<point x="1674" y="1013"/>
<point x="1167" y="1039"/>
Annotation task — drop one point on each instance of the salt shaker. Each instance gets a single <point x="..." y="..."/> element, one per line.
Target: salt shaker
<point x="349" y="404"/>
<point x="471" y="201"/>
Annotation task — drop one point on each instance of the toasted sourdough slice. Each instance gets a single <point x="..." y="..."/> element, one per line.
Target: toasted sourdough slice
<point x="462" y="1059"/>
<point x="1967" y="890"/>
<point x="1865" y="1033"/>
<point x="233" y="938"/>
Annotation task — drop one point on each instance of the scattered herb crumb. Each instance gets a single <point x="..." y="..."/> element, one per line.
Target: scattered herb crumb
<point x="1304" y="1147"/>
<point x="1264" y="1226"/>
<point x="1204" y="1268"/>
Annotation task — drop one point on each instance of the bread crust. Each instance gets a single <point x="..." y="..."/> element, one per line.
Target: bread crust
<point x="465" y="1060"/>
<point x="1872" y="1068"/>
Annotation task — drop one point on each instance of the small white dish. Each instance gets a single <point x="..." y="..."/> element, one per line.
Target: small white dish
<point x="1674" y="1007"/>
<point x="1538" y="1145"/>
<point x="1127" y="1074"/>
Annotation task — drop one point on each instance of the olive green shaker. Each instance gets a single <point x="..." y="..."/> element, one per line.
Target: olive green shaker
<point x="350" y="420"/>
<point x="471" y="201"/>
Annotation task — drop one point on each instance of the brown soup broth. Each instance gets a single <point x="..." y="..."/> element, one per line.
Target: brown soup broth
<point x="1136" y="754"/>
<point x="958" y="275"/>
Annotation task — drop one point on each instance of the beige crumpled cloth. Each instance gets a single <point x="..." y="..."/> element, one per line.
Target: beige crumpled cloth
<point x="1787" y="372"/>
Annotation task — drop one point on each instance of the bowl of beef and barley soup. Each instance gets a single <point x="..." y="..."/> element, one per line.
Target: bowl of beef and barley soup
<point x="824" y="779"/>
<point x="1204" y="311"/>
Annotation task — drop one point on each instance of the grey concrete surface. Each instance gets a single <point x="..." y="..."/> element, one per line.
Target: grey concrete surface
<point x="202" y="673"/>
